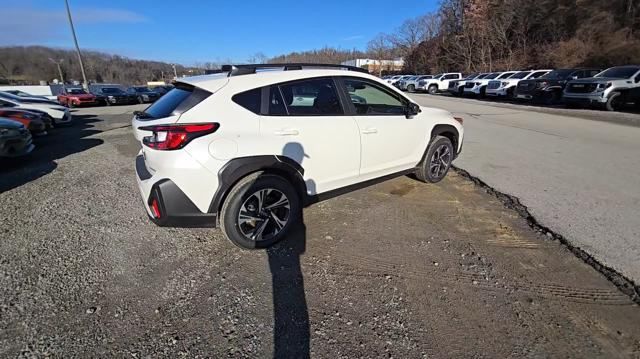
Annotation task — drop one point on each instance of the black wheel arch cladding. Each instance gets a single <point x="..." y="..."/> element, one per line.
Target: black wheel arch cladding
<point x="238" y="168"/>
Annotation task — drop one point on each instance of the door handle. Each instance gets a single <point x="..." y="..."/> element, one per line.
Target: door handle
<point x="369" y="131"/>
<point x="287" y="132"/>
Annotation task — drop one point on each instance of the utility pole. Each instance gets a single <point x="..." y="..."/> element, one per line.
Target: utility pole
<point x="59" y="68"/>
<point x="75" y="40"/>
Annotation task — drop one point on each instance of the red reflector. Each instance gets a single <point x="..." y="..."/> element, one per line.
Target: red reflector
<point x="155" y="209"/>
<point x="173" y="137"/>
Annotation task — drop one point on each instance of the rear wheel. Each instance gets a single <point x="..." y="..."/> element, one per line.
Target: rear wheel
<point x="436" y="163"/>
<point x="411" y="88"/>
<point x="259" y="211"/>
<point x="433" y="89"/>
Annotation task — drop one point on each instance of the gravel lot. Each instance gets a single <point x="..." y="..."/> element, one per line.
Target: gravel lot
<point x="401" y="269"/>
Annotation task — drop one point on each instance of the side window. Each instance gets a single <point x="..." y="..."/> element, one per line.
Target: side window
<point x="594" y="72"/>
<point x="370" y="99"/>
<point x="276" y="103"/>
<point x="537" y="74"/>
<point x="6" y="104"/>
<point x="578" y="74"/>
<point x="249" y="99"/>
<point x="313" y="97"/>
<point x="450" y="77"/>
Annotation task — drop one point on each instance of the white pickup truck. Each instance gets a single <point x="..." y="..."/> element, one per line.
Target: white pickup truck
<point x="438" y="83"/>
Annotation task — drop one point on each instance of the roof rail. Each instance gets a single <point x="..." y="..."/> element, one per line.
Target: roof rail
<point x="237" y="70"/>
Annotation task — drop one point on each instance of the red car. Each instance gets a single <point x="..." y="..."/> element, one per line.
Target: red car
<point x="32" y="121"/>
<point x="73" y="97"/>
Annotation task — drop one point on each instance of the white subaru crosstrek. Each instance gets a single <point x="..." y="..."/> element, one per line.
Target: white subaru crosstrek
<point x="248" y="148"/>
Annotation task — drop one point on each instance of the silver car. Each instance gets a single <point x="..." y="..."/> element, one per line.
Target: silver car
<point x="15" y="139"/>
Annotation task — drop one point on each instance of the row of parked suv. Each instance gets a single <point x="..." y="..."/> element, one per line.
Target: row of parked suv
<point x="613" y="89"/>
<point x="110" y="95"/>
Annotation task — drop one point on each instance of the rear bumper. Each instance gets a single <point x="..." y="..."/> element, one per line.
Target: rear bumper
<point x="176" y="209"/>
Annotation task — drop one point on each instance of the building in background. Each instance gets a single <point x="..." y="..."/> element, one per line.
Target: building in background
<point x="373" y="66"/>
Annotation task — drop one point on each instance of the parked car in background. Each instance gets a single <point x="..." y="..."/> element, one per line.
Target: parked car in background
<point x="548" y="88"/>
<point x="401" y="80"/>
<point x="411" y="84"/>
<point x="143" y="94"/>
<point x="25" y="94"/>
<point x="612" y="89"/>
<point x="456" y="87"/>
<point x="506" y="87"/>
<point x="437" y="83"/>
<point x="391" y="80"/>
<point x="478" y="88"/>
<point x="59" y="114"/>
<point x="402" y="83"/>
<point x="24" y="115"/>
<point x="115" y="96"/>
<point x="162" y="90"/>
<point x="32" y="123"/>
<point x="15" y="139"/>
<point x="74" y="97"/>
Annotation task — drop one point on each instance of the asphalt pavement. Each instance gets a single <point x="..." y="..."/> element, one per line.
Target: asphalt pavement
<point x="577" y="171"/>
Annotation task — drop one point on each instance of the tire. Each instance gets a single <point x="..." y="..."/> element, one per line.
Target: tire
<point x="551" y="98"/>
<point x="614" y="102"/>
<point x="107" y="103"/>
<point x="140" y="100"/>
<point x="483" y="92"/>
<point x="433" y="89"/>
<point x="245" y="194"/>
<point x="511" y="94"/>
<point x="440" y="151"/>
<point x="411" y="88"/>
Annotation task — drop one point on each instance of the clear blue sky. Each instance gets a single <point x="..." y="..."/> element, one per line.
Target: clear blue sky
<point x="196" y="31"/>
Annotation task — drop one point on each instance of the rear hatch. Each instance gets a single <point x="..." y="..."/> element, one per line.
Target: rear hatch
<point x="168" y="108"/>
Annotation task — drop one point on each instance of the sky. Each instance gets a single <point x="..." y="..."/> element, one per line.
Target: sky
<point x="190" y="31"/>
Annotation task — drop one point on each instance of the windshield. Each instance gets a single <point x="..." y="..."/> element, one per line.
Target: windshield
<point x="425" y="77"/>
<point x="619" y="72"/>
<point x="505" y="75"/>
<point x="557" y="74"/>
<point x="491" y="76"/>
<point x="520" y="75"/>
<point x="75" y="91"/>
<point x="111" y="90"/>
<point x="471" y="77"/>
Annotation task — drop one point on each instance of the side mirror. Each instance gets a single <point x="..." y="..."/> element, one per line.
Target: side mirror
<point x="411" y="110"/>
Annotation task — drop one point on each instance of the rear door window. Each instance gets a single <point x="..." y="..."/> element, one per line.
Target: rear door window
<point x="313" y="97"/>
<point x="175" y="102"/>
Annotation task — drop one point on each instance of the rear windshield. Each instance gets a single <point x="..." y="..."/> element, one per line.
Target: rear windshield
<point x="619" y="72"/>
<point x="175" y="102"/>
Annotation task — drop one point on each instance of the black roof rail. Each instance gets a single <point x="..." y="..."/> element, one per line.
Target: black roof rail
<point x="237" y="70"/>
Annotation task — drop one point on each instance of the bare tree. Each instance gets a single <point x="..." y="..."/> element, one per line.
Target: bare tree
<point x="380" y="49"/>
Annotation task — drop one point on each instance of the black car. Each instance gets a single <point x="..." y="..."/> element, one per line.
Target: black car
<point x="161" y="90"/>
<point x="548" y="88"/>
<point x="114" y="96"/>
<point x="143" y="94"/>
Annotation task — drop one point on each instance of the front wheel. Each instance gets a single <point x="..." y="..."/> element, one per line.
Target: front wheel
<point x="433" y="89"/>
<point x="614" y="102"/>
<point x="437" y="161"/>
<point x="411" y="88"/>
<point x="259" y="211"/>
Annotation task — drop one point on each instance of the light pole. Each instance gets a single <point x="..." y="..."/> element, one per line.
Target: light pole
<point x="75" y="40"/>
<point x="175" y="73"/>
<point x="59" y="68"/>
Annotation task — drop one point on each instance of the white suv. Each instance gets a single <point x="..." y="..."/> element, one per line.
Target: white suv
<point x="507" y="86"/>
<point x="248" y="148"/>
<point x="438" y="82"/>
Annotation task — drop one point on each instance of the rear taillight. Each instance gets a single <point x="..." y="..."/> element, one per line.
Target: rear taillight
<point x="173" y="137"/>
<point x="155" y="208"/>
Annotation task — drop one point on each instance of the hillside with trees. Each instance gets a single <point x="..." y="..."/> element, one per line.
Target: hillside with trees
<point x="31" y="64"/>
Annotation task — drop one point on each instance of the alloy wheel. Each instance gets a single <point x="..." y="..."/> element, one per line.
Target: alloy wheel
<point x="264" y="214"/>
<point x="440" y="161"/>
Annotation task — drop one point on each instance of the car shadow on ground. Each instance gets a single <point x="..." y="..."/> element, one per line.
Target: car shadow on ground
<point x="58" y="143"/>
<point x="291" y="316"/>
